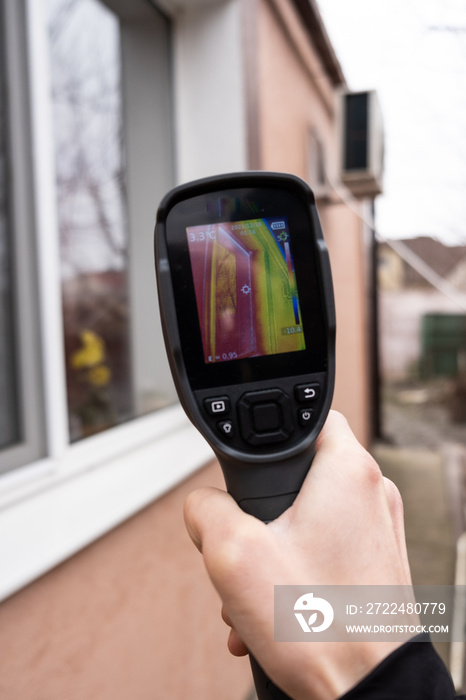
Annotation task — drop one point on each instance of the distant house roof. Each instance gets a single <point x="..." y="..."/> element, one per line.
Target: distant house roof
<point x="441" y="258"/>
<point x="315" y="27"/>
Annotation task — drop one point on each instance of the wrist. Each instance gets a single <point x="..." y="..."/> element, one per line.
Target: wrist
<point x="338" y="668"/>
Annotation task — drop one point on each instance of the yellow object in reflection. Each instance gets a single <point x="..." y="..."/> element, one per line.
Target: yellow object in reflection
<point x="99" y="376"/>
<point x="92" y="352"/>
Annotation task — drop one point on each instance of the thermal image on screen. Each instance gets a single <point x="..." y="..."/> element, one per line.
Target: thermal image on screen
<point x="245" y="287"/>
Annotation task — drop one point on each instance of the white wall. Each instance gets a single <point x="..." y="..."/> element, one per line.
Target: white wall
<point x="400" y="313"/>
<point x="209" y="90"/>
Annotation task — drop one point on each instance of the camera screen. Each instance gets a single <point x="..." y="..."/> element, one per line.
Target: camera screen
<point x="245" y="288"/>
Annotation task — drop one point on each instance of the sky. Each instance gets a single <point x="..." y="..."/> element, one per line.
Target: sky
<point x="413" y="52"/>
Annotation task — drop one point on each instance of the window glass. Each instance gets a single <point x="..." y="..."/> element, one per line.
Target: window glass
<point x="85" y="39"/>
<point x="316" y="163"/>
<point x="9" y="423"/>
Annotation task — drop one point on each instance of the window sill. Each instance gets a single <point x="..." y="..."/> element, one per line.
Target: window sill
<point x="47" y="519"/>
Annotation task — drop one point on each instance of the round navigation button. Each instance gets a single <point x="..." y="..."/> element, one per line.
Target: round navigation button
<point x="265" y="416"/>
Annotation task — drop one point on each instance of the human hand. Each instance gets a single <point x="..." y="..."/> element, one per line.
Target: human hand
<point x="344" y="528"/>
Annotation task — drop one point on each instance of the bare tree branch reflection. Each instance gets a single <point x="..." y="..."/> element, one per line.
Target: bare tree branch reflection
<point x="84" y="39"/>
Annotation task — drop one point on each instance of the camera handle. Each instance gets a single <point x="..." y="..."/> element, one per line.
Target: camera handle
<point x="266" y="491"/>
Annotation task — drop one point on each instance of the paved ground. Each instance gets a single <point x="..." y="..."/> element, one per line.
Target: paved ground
<point x="425" y="455"/>
<point x="430" y="535"/>
<point x="415" y="418"/>
<point x="420" y="477"/>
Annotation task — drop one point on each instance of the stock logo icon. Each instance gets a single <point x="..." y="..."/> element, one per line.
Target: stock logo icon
<point x="312" y="606"/>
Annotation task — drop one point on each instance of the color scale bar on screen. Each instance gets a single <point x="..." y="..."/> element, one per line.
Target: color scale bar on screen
<point x="291" y="276"/>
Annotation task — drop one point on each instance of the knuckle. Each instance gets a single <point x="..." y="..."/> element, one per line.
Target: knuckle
<point x="365" y="470"/>
<point x="338" y="417"/>
<point x="394" y="498"/>
<point x="372" y="471"/>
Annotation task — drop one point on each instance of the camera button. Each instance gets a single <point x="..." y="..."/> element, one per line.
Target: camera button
<point x="306" y="392"/>
<point x="226" y="428"/>
<point x="266" y="417"/>
<point x="218" y="405"/>
<point x="305" y="416"/>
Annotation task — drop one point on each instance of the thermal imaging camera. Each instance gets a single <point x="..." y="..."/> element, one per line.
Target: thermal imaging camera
<point x="246" y="302"/>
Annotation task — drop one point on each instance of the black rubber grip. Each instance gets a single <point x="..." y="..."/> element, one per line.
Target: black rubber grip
<point x="265" y="688"/>
<point x="266" y="489"/>
<point x="268" y="508"/>
<point x="242" y="480"/>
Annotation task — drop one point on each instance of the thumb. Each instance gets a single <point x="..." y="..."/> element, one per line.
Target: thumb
<point x="203" y="510"/>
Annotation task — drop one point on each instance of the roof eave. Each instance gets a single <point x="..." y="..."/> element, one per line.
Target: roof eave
<point x="312" y="19"/>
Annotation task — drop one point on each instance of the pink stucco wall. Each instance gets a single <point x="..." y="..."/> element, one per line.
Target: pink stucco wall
<point x="132" y="616"/>
<point x="295" y="97"/>
<point x="345" y="241"/>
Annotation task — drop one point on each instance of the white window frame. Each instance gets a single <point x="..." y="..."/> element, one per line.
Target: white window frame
<point x="54" y="506"/>
<point x="28" y="385"/>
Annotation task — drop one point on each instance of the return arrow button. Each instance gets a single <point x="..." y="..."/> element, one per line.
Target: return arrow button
<point x="306" y="392"/>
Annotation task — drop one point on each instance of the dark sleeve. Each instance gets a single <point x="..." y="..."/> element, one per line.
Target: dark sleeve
<point x="414" y="671"/>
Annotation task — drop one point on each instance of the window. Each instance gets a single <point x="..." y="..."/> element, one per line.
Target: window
<point x="85" y="156"/>
<point x="22" y="433"/>
<point x="88" y="44"/>
<point x="9" y="419"/>
<point x="85" y="59"/>
<point x="317" y="164"/>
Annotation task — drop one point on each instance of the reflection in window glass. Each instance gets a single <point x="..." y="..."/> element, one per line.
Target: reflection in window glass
<point x="84" y="39"/>
<point x="9" y="426"/>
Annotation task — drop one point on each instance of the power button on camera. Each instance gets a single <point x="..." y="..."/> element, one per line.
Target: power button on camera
<point x="305" y="416"/>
